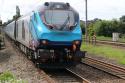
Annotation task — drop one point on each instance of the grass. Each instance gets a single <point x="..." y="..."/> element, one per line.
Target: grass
<point x="8" y="77"/>
<point x="109" y="38"/>
<point x="106" y="51"/>
<point x="104" y="38"/>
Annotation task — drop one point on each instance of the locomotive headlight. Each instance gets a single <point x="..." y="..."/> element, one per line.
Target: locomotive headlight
<point x="77" y="42"/>
<point x="44" y="42"/>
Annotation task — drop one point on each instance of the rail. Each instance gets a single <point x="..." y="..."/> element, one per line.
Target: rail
<point x="107" y="67"/>
<point x="95" y="41"/>
<point x="66" y="75"/>
<point x="79" y="76"/>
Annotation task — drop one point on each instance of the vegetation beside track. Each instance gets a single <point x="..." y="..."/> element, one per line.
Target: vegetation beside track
<point x="106" y="51"/>
<point x="103" y="38"/>
<point x="8" y="77"/>
<point x="109" y="38"/>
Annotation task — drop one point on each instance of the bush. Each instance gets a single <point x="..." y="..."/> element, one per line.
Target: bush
<point x="7" y="77"/>
<point x="123" y="36"/>
<point x="82" y="27"/>
<point x="106" y="28"/>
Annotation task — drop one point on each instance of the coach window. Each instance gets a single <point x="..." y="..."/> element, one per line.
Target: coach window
<point x="23" y="30"/>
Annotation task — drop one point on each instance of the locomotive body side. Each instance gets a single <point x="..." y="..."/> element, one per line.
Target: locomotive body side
<point x="10" y="29"/>
<point x="23" y="35"/>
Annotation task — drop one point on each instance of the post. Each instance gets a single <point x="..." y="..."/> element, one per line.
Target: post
<point x="86" y="20"/>
<point x="0" y="38"/>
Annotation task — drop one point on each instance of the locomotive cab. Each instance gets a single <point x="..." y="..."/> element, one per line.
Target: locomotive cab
<point x="59" y="17"/>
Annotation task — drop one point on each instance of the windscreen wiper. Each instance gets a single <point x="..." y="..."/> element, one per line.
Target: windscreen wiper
<point x="65" y="23"/>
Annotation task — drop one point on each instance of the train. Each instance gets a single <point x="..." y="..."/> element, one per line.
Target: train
<point x="50" y="35"/>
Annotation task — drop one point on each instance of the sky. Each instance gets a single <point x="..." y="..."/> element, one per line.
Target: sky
<point x="103" y="9"/>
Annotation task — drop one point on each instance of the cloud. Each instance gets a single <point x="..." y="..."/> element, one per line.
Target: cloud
<point x="9" y="7"/>
<point x="104" y="9"/>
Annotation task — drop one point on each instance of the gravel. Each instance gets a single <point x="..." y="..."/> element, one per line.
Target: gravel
<point x="14" y="61"/>
<point x="97" y="76"/>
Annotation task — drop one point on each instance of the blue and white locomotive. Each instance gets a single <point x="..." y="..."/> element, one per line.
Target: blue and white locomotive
<point x="51" y="34"/>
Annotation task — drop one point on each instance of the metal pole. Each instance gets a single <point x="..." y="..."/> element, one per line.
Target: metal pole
<point x="86" y="20"/>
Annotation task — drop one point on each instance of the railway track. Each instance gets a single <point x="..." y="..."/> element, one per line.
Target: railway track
<point x="107" y="67"/>
<point x="66" y="76"/>
<point x="111" y="43"/>
<point x="122" y="44"/>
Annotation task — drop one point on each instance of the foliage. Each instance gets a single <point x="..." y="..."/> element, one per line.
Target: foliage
<point x="82" y="27"/>
<point x="7" y="77"/>
<point x="104" y="38"/>
<point x="0" y="22"/>
<point x="122" y="19"/>
<point x="122" y="39"/>
<point x="106" y="28"/>
<point x="123" y="36"/>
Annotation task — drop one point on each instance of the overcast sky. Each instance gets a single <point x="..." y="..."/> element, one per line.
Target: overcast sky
<point x="103" y="9"/>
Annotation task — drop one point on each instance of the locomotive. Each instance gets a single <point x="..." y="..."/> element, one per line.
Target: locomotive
<point x="49" y="35"/>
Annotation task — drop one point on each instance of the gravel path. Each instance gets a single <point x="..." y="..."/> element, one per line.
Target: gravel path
<point x="14" y="61"/>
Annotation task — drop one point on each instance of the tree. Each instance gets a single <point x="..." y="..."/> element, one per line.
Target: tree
<point x="82" y="25"/>
<point x="104" y="28"/>
<point x="0" y="22"/>
<point x="122" y="19"/>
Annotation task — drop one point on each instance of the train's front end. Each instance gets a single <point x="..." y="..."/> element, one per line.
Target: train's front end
<point x="59" y="32"/>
